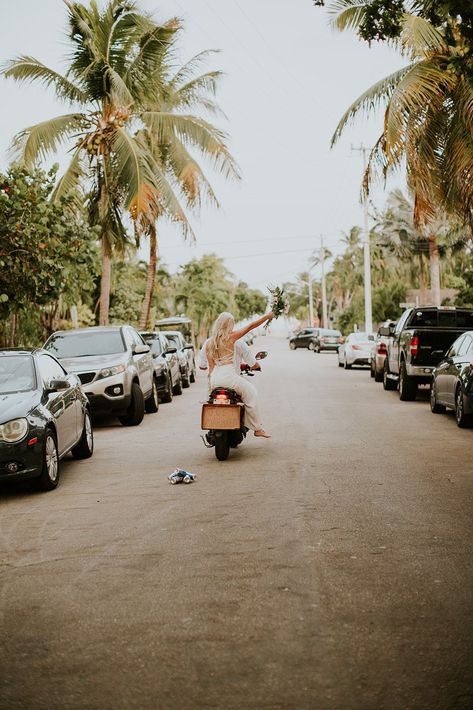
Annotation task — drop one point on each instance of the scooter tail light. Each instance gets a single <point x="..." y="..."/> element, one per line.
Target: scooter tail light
<point x="221" y="396"/>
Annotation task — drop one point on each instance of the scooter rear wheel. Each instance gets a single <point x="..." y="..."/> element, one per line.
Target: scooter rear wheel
<point x="222" y="446"/>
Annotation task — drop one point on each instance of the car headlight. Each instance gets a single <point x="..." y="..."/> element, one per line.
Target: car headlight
<point x="110" y="371"/>
<point x="13" y="431"/>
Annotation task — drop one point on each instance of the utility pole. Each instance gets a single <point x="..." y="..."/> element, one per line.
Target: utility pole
<point x="366" y="249"/>
<point x="311" y="300"/>
<point x="324" y="285"/>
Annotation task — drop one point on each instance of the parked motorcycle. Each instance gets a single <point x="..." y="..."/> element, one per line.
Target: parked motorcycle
<point x="223" y="416"/>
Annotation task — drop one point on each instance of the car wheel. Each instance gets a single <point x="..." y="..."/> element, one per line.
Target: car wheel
<point x="372" y="372"/>
<point x="388" y="383"/>
<point x="340" y="364"/>
<point x="168" y="392"/>
<point x="177" y="389"/>
<point x="435" y="407"/>
<point x="192" y="376"/>
<point x="407" y="385"/>
<point x="136" y="410"/>
<point x="49" y="477"/>
<point x="463" y="420"/>
<point x="378" y="375"/>
<point x="317" y="349"/>
<point x="311" y="345"/>
<point x="186" y="380"/>
<point x="152" y="403"/>
<point x="85" y="447"/>
<point x="292" y="346"/>
<point x="346" y="365"/>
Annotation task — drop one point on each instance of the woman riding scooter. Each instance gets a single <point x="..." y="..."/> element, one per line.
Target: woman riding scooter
<point x="220" y="351"/>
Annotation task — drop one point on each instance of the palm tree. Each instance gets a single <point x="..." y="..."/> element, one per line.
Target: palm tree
<point x="113" y="76"/>
<point x="400" y="234"/>
<point x="170" y="146"/>
<point x="428" y="114"/>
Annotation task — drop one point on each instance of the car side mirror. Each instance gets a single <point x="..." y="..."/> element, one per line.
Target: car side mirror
<point x="57" y="385"/>
<point x="140" y="349"/>
<point x="261" y="355"/>
<point x="170" y="351"/>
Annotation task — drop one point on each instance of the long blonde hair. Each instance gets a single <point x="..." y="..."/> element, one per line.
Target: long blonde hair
<point x="218" y="342"/>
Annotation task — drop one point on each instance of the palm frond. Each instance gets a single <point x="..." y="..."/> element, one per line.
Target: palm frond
<point x="28" y="69"/>
<point x="207" y="139"/>
<point x="70" y="182"/>
<point x="187" y="71"/>
<point x="347" y="14"/>
<point x="371" y="99"/>
<point x="419" y="38"/>
<point x="36" y="142"/>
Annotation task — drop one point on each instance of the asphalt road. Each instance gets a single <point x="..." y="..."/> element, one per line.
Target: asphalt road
<point x="329" y="568"/>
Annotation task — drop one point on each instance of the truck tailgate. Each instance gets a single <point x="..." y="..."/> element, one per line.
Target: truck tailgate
<point x="432" y="340"/>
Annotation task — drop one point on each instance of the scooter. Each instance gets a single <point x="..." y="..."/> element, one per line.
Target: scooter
<point x="223" y="416"/>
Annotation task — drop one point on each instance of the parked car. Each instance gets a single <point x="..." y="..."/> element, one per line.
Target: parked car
<point x="418" y="343"/>
<point x="185" y="351"/>
<point x="166" y="364"/>
<point x="356" y="350"/>
<point x="452" y="381"/>
<point x="379" y="351"/>
<point x="115" y="367"/>
<point x="327" y="339"/>
<point x="44" y="415"/>
<point x="304" y="338"/>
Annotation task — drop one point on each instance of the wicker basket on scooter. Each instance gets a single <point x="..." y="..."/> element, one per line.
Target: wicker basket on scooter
<point x="221" y="416"/>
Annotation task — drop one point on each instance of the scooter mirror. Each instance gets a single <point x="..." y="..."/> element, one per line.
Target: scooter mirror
<point x="261" y="355"/>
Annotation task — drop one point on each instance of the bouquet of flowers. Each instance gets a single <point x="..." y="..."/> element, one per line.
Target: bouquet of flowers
<point x="278" y="302"/>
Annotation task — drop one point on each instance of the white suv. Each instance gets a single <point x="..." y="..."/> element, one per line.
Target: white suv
<point x="115" y="368"/>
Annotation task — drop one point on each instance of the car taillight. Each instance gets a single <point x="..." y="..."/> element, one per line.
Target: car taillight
<point x="356" y="347"/>
<point x="414" y="345"/>
<point x="221" y="396"/>
<point x="382" y="349"/>
<point x="322" y="339"/>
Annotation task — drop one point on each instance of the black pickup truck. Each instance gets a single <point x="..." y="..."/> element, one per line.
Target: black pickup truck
<point x="418" y="342"/>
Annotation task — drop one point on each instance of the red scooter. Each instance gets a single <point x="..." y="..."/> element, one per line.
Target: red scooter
<point x="223" y="416"/>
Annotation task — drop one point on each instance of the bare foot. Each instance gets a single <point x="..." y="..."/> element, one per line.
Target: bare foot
<point x="261" y="432"/>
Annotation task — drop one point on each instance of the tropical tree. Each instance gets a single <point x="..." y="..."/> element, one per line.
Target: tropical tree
<point x="113" y="77"/>
<point x="172" y="137"/>
<point x="428" y="112"/>
<point x="47" y="253"/>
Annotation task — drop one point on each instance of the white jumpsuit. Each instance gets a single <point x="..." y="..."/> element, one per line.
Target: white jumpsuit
<point x="225" y="376"/>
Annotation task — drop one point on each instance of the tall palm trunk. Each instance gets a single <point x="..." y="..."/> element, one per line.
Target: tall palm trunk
<point x="153" y="257"/>
<point x="434" y="257"/>
<point x="105" y="284"/>
<point x="422" y="283"/>
<point x="12" y="331"/>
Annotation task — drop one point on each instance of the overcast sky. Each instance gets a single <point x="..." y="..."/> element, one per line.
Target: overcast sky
<point x="288" y="80"/>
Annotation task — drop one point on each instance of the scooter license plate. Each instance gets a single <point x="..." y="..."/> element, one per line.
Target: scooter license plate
<point x="221" y="401"/>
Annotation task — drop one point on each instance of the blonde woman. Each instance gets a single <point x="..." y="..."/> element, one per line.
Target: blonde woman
<point x="220" y="351"/>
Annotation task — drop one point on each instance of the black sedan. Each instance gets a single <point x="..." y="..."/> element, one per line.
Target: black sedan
<point x="452" y="381"/>
<point x="43" y="416"/>
<point x="166" y="364"/>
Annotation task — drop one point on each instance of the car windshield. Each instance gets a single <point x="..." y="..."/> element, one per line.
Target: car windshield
<point x="86" y="344"/>
<point x="174" y="340"/>
<point x="16" y="374"/>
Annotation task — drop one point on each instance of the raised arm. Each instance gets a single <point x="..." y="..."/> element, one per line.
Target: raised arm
<point x="237" y="334"/>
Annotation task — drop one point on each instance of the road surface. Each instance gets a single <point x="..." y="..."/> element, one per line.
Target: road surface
<point x="329" y="568"/>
